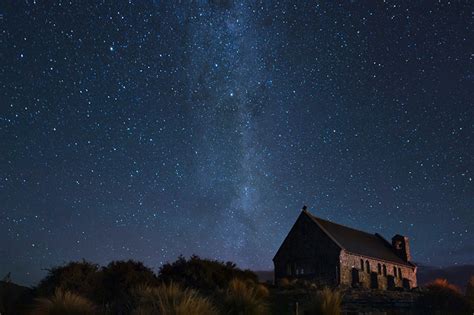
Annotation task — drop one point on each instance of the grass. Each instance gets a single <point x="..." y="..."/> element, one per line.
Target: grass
<point x="244" y="297"/>
<point x="63" y="302"/>
<point x="444" y="298"/>
<point x="442" y="284"/>
<point x="171" y="299"/>
<point x="325" y="302"/>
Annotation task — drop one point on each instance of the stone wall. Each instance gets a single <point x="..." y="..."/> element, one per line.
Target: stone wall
<point x="307" y="253"/>
<point x="362" y="301"/>
<point x="377" y="278"/>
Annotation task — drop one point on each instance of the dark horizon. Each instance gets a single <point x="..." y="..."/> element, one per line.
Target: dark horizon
<point x="146" y="130"/>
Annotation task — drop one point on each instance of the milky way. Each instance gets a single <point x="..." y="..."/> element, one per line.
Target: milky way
<point x="150" y="129"/>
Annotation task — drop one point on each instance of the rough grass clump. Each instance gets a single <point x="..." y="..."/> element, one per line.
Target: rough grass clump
<point x="325" y="302"/>
<point x="470" y="289"/>
<point x="441" y="297"/>
<point x="63" y="302"/>
<point x="80" y="277"/>
<point x="284" y="283"/>
<point x="245" y="297"/>
<point x="171" y="299"/>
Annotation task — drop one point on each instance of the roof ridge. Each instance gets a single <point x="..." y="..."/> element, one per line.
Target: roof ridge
<point x="345" y="226"/>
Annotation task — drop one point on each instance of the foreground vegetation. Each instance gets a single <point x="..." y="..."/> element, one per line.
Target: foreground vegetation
<point x="197" y="286"/>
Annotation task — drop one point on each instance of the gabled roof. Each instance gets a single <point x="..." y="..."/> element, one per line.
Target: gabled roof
<point x="359" y="242"/>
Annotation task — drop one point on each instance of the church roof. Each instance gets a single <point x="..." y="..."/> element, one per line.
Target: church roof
<point x="359" y="242"/>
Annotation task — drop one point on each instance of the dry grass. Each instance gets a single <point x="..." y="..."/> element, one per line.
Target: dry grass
<point x="63" y="302"/>
<point x="245" y="298"/>
<point x="444" y="298"/>
<point x="171" y="299"/>
<point x="284" y="282"/>
<point x="443" y="284"/>
<point x="325" y="302"/>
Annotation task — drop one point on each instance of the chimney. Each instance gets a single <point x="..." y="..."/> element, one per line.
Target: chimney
<point x="304" y="208"/>
<point x="401" y="247"/>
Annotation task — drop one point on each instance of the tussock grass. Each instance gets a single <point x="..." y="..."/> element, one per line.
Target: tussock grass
<point x="63" y="302"/>
<point x="171" y="299"/>
<point x="441" y="297"/>
<point x="325" y="302"/>
<point x="442" y="284"/>
<point x="243" y="297"/>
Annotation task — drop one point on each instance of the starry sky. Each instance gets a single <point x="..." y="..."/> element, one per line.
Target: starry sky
<point x="150" y="129"/>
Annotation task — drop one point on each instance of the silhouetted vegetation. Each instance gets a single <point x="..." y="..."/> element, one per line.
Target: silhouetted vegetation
<point x="324" y="302"/>
<point x="80" y="277"/>
<point x="441" y="297"/>
<point x="119" y="279"/>
<point x="197" y="286"/>
<point x="203" y="274"/>
<point x="62" y="303"/>
<point x="245" y="297"/>
<point x="14" y="298"/>
<point x="171" y="299"/>
<point x="470" y="291"/>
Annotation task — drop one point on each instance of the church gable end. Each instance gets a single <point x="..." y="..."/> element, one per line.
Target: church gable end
<point x="307" y="252"/>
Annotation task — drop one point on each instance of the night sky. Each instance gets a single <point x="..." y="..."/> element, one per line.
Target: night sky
<point x="149" y="129"/>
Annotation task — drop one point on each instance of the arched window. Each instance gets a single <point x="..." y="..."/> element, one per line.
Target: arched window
<point x="379" y="268"/>
<point x="394" y="271"/>
<point x="399" y="273"/>
<point x="362" y="264"/>
<point x="384" y="270"/>
<point x="367" y="266"/>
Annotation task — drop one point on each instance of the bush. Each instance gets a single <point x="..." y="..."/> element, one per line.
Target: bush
<point x="14" y="299"/>
<point x="78" y="277"/>
<point x="119" y="279"/>
<point x="171" y="299"/>
<point x="284" y="283"/>
<point x="325" y="302"/>
<point x="245" y="297"/>
<point x="203" y="274"/>
<point x="442" y="297"/>
<point x="63" y="302"/>
<point x="470" y="289"/>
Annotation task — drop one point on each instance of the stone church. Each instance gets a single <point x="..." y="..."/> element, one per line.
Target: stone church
<point x="332" y="254"/>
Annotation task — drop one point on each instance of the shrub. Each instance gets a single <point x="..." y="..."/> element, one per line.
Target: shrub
<point x="325" y="302"/>
<point x="244" y="297"/>
<point x="442" y="284"/>
<point x="78" y="277"/>
<point x="262" y="291"/>
<point x="470" y="289"/>
<point x="442" y="297"/>
<point x="63" y="302"/>
<point x="119" y="279"/>
<point x="171" y="299"/>
<point x="14" y="299"/>
<point x="284" y="283"/>
<point x="203" y="274"/>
